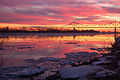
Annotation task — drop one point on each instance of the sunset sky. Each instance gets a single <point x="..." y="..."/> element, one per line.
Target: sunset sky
<point x="51" y="12"/>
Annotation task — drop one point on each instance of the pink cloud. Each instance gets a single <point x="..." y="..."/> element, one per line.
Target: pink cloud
<point x="56" y="11"/>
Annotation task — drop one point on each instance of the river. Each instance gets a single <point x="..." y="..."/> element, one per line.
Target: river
<point x="17" y="47"/>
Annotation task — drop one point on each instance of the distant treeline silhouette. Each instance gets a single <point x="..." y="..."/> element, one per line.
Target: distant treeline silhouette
<point x="43" y="30"/>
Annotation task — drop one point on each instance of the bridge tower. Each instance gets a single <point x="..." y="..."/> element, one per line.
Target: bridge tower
<point x="115" y="32"/>
<point x="74" y="26"/>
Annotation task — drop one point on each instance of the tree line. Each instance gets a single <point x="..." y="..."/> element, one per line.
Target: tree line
<point x="43" y="30"/>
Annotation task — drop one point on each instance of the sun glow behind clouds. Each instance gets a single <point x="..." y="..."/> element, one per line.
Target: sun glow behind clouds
<point x="112" y="17"/>
<point x="52" y="12"/>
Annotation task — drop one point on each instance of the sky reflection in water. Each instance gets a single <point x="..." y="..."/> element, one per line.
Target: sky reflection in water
<point x="36" y="46"/>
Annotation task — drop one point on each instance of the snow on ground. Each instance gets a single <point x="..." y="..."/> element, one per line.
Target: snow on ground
<point x="82" y="72"/>
<point x="21" y="71"/>
<point x="99" y="67"/>
<point x="78" y="72"/>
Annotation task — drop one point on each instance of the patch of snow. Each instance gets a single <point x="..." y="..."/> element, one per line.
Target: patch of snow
<point x="30" y="60"/>
<point x="67" y="61"/>
<point x="78" y="72"/>
<point x="105" y="73"/>
<point x="76" y="58"/>
<point x="50" y="59"/>
<point x="111" y="56"/>
<point x="17" y="71"/>
<point x="103" y="60"/>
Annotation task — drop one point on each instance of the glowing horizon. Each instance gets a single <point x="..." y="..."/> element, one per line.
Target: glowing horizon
<point x="98" y="27"/>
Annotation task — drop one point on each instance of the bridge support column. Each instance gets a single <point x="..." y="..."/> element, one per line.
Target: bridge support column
<point x="115" y="33"/>
<point x="74" y="29"/>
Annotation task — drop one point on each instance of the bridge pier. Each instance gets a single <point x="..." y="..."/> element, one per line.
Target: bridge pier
<point x="115" y="34"/>
<point x="74" y="29"/>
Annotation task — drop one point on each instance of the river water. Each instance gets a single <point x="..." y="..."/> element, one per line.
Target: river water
<point x="17" y="47"/>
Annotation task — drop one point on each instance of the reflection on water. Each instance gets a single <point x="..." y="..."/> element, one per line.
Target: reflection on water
<point x="22" y="47"/>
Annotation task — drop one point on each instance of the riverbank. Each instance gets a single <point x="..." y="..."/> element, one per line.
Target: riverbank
<point x="52" y="34"/>
<point x="106" y="67"/>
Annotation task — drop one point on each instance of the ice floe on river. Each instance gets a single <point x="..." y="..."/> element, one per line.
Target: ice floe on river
<point x="20" y="71"/>
<point x="51" y="64"/>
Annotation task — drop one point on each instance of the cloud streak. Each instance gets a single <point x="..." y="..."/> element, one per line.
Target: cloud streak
<point x="57" y="11"/>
